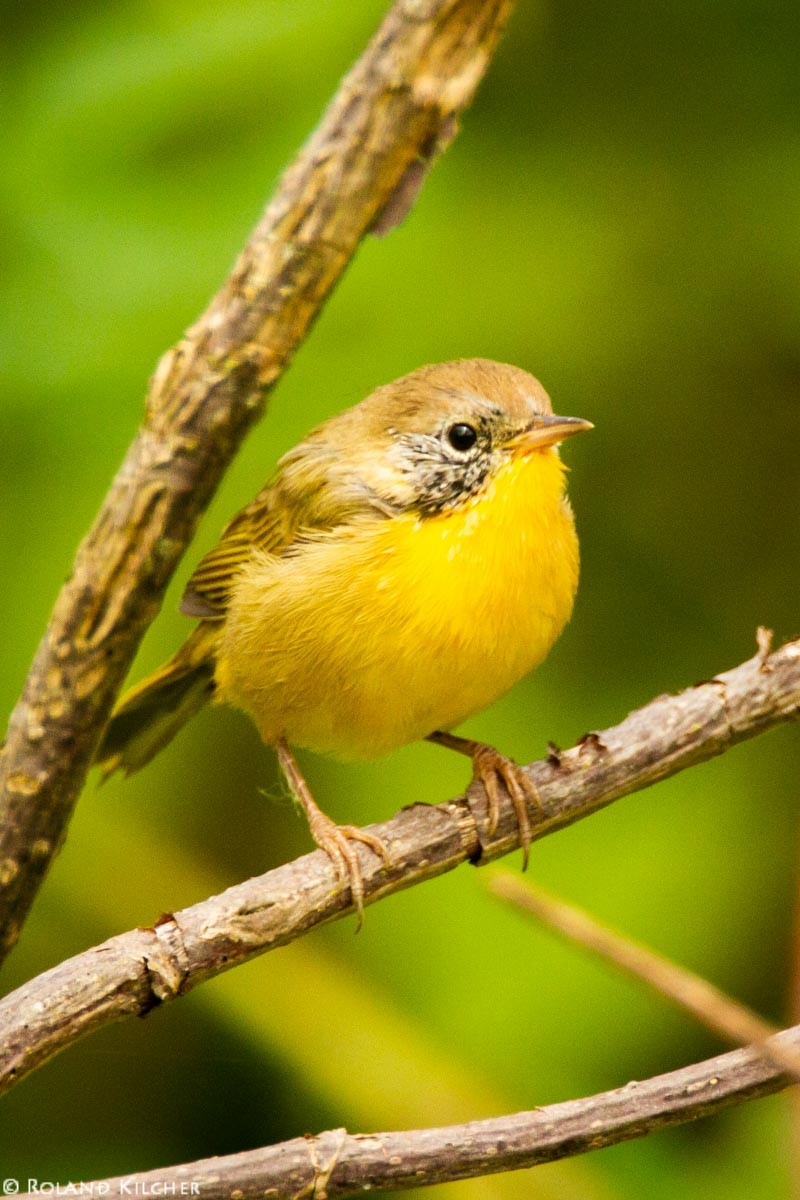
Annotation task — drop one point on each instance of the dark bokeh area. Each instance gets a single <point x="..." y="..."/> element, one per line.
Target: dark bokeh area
<point x="621" y="216"/>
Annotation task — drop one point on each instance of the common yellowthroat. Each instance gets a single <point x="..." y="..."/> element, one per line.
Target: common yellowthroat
<point x="409" y="561"/>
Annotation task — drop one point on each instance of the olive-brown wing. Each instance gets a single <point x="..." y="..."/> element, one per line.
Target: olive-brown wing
<point x="266" y="524"/>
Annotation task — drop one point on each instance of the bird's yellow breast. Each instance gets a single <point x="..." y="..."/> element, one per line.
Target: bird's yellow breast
<point x="371" y="636"/>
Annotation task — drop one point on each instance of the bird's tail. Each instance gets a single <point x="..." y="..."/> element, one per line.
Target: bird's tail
<point x="148" y="716"/>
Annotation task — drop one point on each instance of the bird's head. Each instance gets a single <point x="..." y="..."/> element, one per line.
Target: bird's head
<point x="434" y="439"/>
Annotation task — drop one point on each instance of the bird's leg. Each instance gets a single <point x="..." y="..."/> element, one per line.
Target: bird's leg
<point x="335" y="840"/>
<point x="489" y="767"/>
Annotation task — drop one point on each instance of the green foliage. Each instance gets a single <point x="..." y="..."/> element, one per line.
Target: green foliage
<point x="619" y="216"/>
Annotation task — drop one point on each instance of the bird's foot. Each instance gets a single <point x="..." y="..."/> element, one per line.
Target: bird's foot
<point x="491" y="768"/>
<point x="336" y="840"/>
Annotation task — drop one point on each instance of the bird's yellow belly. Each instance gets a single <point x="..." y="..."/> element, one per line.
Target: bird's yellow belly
<point x="373" y="636"/>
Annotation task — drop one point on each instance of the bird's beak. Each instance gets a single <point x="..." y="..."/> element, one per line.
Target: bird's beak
<point x="546" y="430"/>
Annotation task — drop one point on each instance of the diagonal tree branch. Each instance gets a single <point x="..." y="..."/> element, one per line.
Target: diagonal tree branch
<point x="728" y="1018"/>
<point x="131" y="973"/>
<point x="393" y="113"/>
<point x="337" y="1163"/>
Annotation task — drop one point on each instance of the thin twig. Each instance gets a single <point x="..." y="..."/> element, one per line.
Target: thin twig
<point x="719" y="1012"/>
<point x="393" y="113"/>
<point x="352" y="1164"/>
<point x="130" y="974"/>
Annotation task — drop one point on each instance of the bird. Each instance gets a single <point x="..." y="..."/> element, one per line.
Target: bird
<point x="409" y="561"/>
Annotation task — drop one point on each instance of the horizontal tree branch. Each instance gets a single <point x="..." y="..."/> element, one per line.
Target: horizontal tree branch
<point x="393" y="113"/>
<point x="337" y="1163"/>
<point x="133" y="972"/>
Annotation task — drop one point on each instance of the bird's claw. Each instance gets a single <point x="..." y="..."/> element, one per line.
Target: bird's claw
<point x="337" y="842"/>
<point x="490" y="767"/>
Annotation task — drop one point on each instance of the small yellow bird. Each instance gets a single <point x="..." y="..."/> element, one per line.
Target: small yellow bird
<point x="410" y="560"/>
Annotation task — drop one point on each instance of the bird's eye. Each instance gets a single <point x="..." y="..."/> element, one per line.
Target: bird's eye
<point x="461" y="437"/>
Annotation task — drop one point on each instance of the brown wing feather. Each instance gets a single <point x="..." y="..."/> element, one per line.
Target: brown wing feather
<point x="313" y="490"/>
<point x="263" y="525"/>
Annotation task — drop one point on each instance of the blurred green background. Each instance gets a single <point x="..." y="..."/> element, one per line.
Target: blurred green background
<point x="620" y="215"/>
